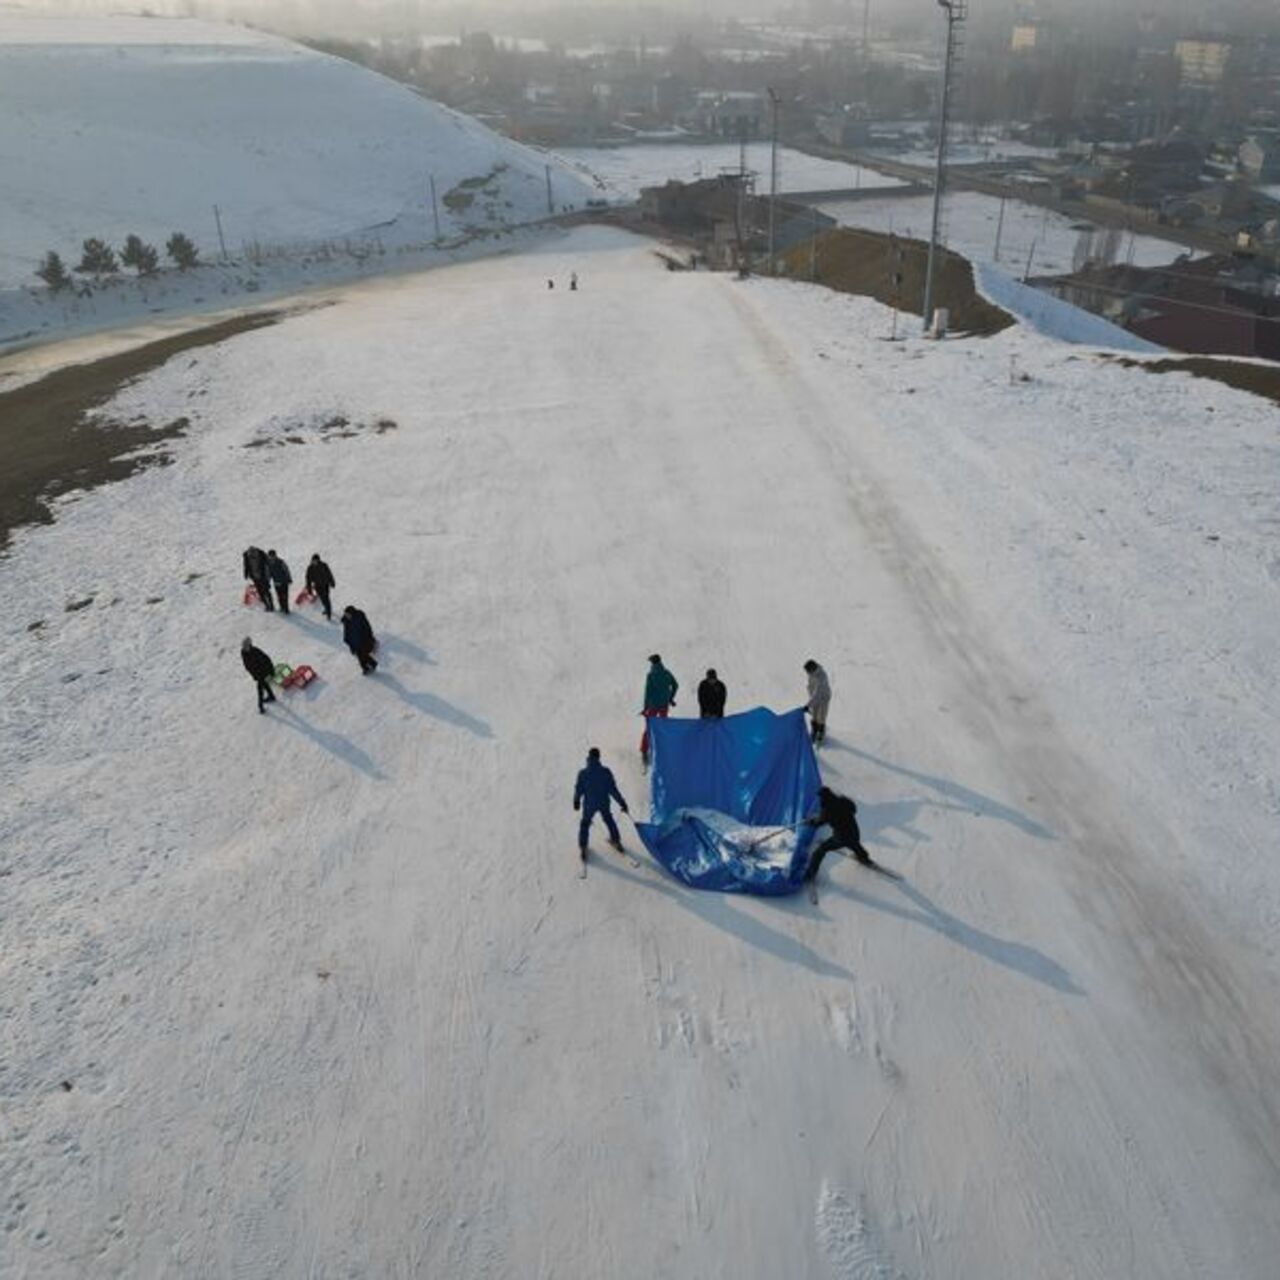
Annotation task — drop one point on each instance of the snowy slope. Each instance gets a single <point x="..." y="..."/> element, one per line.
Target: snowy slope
<point x="326" y="992"/>
<point x="112" y="126"/>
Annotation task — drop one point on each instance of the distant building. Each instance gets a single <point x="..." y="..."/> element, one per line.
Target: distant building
<point x="1260" y="158"/>
<point x="1026" y="38"/>
<point x="1202" y="62"/>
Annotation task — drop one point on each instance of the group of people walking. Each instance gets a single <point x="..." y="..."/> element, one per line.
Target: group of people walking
<point x="269" y="572"/>
<point x="660" y="688"/>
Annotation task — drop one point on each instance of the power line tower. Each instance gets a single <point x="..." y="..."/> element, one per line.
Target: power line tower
<point x="957" y="11"/>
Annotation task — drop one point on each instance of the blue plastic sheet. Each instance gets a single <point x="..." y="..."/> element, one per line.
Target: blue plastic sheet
<point x="718" y="787"/>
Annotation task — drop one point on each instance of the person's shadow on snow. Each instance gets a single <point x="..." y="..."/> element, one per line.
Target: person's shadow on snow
<point x="431" y="705"/>
<point x="957" y="796"/>
<point x="1017" y="956"/>
<point x="716" y="909"/>
<point x="334" y="743"/>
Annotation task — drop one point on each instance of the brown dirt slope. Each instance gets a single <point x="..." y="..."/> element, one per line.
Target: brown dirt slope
<point x="856" y="261"/>
<point x="1262" y="380"/>
<point x="47" y="445"/>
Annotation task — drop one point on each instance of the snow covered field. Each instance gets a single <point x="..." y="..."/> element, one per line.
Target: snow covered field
<point x="318" y="168"/>
<point x="1044" y="238"/>
<point x="318" y="993"/>
<point x="620" y="172"/>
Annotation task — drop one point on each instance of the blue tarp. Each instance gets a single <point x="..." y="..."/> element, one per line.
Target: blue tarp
<point x="713" y="778"/>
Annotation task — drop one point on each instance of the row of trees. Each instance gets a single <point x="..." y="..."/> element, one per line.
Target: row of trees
<point x="98" y="259"/>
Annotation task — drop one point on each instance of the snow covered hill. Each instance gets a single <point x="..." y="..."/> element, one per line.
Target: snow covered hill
<point x="318" y="993"/>
<point x="143" y="125"/>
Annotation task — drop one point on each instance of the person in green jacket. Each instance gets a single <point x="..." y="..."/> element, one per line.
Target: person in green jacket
<point x="659" y="697"/>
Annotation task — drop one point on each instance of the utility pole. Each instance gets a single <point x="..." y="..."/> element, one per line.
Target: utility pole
<point x="957" y="11"/>
<point x="435" y="208"/>
<point x="866" y="34"/>
<point x="774" y="102"/>
<point x="551" y="208"/>
<point x="217" y="217"/>
<point x="999" y="227"/>
<point x="813" y="245"/>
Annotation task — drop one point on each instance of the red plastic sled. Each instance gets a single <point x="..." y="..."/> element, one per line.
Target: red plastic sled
<point x="305" y="596"/>
<point x="251" y="595"/>
<point x="300" y="677"/>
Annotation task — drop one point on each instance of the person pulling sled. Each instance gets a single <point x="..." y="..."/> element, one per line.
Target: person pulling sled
<point x="261" y="668"/>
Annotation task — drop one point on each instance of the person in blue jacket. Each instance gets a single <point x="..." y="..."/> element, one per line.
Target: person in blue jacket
<point x="595" y="788"/>
<point x="660" y="688"/>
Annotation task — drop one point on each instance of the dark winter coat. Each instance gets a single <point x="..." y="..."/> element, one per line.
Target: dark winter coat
<point x="711" y="696"/>
<point x="279" y="571"/>
<point x="659" y="688"/>
<point x="256" y="663"/>
<point x="320" y="577"/>
<point x="838" y="813"/>
<point x="596" y="787"/>
<point x="255" y="564"/>
<point x="357" y="634"/>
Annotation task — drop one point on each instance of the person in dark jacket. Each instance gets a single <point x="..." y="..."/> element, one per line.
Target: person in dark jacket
<point x="595" y="788"/>
<point x="255" y="571"/>
<point x="659" y="697"/>
<point x="281" y="576"/>
<point x="837" y="812"/>
<point x="358" y="636"/>
<point x="711" y="696"/>
<point x="320" y="581"/>
<point x="261" y="668"/>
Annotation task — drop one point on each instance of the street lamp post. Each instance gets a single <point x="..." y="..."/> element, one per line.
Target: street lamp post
<point x="956" y="10"/>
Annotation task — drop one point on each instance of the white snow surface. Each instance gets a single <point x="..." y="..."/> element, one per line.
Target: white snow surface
<point x="319" y="168"/>
<point x="621" y="172"/>
<point x="318" y="993"/>
<point x="1031" y="234"/>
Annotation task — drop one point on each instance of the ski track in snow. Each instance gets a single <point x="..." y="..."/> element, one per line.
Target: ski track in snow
<point x="323" y="984"/>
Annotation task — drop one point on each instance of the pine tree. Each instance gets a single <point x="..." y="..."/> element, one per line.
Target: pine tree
<point x="52" y="272"/>
<point x="182" y="251"/>
<point x="98" y="259"/>
<point x="138" y="255"/>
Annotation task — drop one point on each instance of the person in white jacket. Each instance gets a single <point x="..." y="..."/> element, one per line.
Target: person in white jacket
<point x="819" y="702"/>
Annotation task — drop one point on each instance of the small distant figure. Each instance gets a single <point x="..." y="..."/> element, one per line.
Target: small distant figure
<point x="261" y="668"/>
<point x="551" y="284"/>
<point x="358" y="636"/>
<point x="711" y="696"/>
<point x="573" y="282"/>
<point x="255" y="571"/>
<point x="659" y="697"/>
<point x="819" y="702"/>
<point x="282" y="578"/>
<point x="837" y="812"/>
<point x="320" y="581"/>
<point x="594" y="789"/>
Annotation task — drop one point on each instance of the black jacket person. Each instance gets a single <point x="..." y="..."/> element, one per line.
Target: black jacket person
<point x="711" y="696"/>
<point x="255" y="570"/>
<point x="357" y="635"/>
<point x="837" y="812"/>
<point x="261" y="668"/>
<point x="320" y="581"/>
<point x="281" y="576"/>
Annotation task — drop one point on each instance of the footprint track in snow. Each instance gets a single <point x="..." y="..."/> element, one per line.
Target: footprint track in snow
<point x="851" y="1239"/>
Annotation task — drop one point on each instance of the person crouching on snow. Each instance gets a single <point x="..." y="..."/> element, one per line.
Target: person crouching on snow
<point x="358" y="636"/>
<point x="839" y="813"/>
